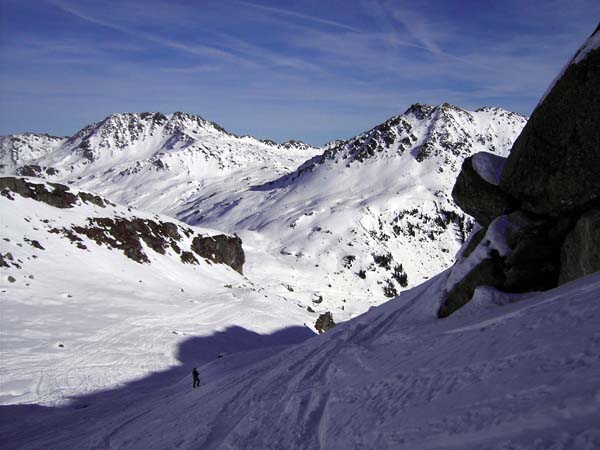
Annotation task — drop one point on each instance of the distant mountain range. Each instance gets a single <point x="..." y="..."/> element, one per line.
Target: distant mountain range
<point x="340" y="227"/>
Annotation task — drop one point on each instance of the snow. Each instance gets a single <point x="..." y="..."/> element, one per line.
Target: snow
<point x="76" y="321"/>
<point x="393" y="378"/>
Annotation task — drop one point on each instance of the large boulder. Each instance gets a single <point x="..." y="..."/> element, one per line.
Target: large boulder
<point x="476" y="189"/>
<point x="580" y="253"/>
<point x="488" y="272"/>
<point x="550" y="188"/>
<point x="518" y="252"/>
<point x="554" y="164"/>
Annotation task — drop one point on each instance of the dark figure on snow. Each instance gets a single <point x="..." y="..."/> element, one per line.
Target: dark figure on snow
<point x="196" y="378"/>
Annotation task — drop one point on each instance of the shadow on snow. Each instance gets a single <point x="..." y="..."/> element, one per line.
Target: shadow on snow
<point x="31" y="422"/>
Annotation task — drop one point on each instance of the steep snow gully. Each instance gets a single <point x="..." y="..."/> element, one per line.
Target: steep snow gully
<point x="393" y="378"/>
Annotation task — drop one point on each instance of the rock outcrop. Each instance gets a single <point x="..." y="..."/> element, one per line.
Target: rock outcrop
<point x="133" y="235"/>
<point x="580" y="252"/>
<point x="54" y="194"/>
<point x="540" y="214"/>
<point x="324" y="322"/>
<point x="554" y="164"/>
<point x="479" y="195"/>
<point x="221" y="249"/>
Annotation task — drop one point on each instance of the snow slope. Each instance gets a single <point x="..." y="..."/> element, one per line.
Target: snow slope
<point x="78" y="316"/>
<point x="374" y="213"/>
<point x="488" y="377"/>
<point x="368" y="216"/>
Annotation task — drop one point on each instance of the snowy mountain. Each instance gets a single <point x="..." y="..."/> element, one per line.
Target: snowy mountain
<point x="148" y="142"/>
<point x="371" y="215"/>
<point x="18" y="149"/>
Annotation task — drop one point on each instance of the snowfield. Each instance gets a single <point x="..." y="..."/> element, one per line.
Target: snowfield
<point x="488" y="377"/>
<point x="77" y="320"/>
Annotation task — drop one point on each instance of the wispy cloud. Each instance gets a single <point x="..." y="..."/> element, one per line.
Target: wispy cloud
<point x="297" y="15"/>
<point x="263" y="68"/>
<point x="192" y="49"/>
<point x="204" y="68"/>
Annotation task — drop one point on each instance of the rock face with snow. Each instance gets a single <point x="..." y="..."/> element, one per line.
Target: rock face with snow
<point x="138" y="143"/>
<point x="542" y="230"/>
<point x="553" y="166"/>
<point x="132" y="235"/>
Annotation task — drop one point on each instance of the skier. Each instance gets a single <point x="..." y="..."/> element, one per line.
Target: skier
<point x="196" y="378"/>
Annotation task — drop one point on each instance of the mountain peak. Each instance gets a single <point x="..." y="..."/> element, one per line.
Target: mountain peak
<point x="419" y="110"/>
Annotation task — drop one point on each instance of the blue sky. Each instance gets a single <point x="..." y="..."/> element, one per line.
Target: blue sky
<point x="307" y="69"/>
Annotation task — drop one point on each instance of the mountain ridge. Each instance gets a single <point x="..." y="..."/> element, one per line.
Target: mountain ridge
<point x="384" y="193"/>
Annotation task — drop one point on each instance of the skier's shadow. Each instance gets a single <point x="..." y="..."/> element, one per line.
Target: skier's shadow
<point x="232" y="347"/>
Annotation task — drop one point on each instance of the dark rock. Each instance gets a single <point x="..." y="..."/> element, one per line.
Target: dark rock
<point x="34" y="244"/>
<point x="94" y="199"/>
<point x="33" y="170"/>
<point x="534" y="261"/>
<point x="473" y="242"/>
<point x="59" y="196"/>
<point x="221" y="249"/>
<point x="487" y="273"/>
<point x="324" y="322"/>
<point x="531" y="260"/>
<point x="11" y="279"/>
<point x="188" y="258"/>
<point x="3" y="261"/>
<point x="580" y="252"/>
<point x="554" y="164"/>
<point x="127" y="234"/>
<point x="54" y="194"/>
<point x="478" y="197"/>
<point x="30" y="170"/>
